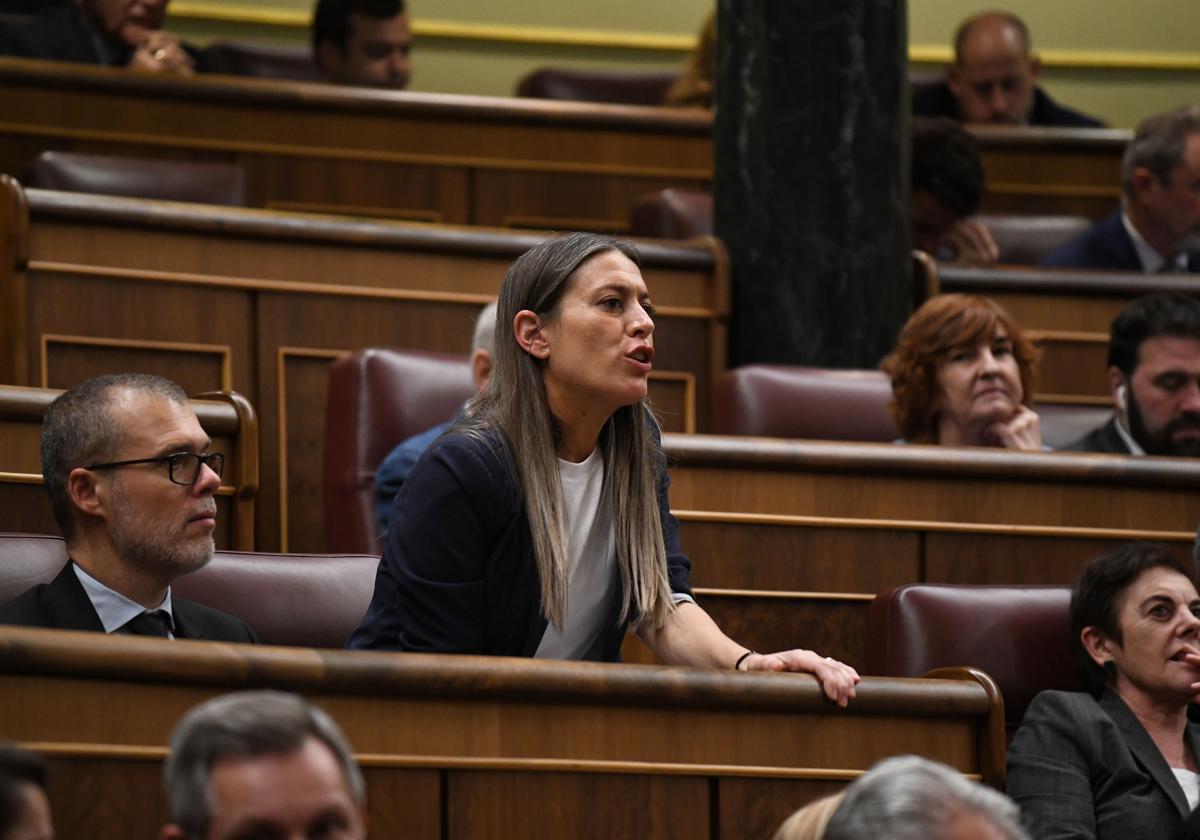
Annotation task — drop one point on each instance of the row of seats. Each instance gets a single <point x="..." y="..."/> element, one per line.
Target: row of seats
<point x="1018" y="635"/>
<point x="1021" y="239"/>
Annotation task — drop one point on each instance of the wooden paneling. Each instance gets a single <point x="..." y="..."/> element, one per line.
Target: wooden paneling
<point x="481" y="747"/>
<point x="263" y="301"/>
<point x="789" y="540"/>
<point x="227" y="418"/>
<point x="1069" y="312"/>
<point x="460" y="159"/>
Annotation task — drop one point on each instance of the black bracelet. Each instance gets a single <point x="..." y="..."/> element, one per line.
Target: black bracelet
<point x="737" y="665"/>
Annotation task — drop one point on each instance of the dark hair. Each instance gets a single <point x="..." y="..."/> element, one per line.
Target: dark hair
<point x="331" y="18"/>
<point x="1159" y="143"/>
<point x="1008" y="18"/>
<point x="1162" y="313"/>
<point x="942" y="324"/>
<point x="945" y="164"/>
<point x="1095" y="595"/>
<point x="18" y="768"/>
<point x="78" y="430"/>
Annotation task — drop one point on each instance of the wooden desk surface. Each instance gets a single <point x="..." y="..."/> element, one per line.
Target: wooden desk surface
<point x="459" y="159"/>
<point x="472" y="747"/>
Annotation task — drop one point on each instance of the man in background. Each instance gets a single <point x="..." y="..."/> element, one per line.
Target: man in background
<point x="1154" y="379"/>
<point x="947" y="188"/>
<point x="363" y="42"/>
<point x="994" y="79"/>
<point x="398" y="463"/>
<point x="1157" y="227"/>
<point x="132" y="485"/>
<point x="118" y="33"/>
<point x="262" y="764"/>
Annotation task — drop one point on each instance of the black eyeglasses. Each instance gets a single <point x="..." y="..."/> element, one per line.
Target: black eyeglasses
<point x="183" y="467"/>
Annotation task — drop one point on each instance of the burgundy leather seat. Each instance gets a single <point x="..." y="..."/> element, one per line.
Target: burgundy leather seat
<point x="803" y="402"/>
<point x="1019" y="635"/>
<point x="623" y="87"/>
<point x="264" y="61"/>
<point x="672" y="214"/>
<point x="207" y="182"/>
<point x="1023" y="240"/>
<point x="377" y="398"/>
<point x="302" y="600"/>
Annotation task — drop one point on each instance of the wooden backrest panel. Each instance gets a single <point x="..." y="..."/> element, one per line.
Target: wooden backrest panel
<point x="460" y="159"/>
<point x="489" y="742"/>
<point x="228" y="418"/>
<point x="263" y="302"/>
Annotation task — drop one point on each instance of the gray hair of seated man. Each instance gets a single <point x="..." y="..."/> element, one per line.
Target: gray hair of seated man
<point x="484" y="337"/>
<point x="243" y="724"/>
<point x="913" y="798"/>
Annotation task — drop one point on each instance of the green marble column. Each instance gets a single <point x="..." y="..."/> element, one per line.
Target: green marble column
<point x="812" y="178"/>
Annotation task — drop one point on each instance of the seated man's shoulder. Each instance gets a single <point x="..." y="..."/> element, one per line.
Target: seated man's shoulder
<point x="27" y="609"/>
<point x="210" y="624"/>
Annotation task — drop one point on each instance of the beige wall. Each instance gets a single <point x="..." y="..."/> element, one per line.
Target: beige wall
<point x="1112" y="58"/>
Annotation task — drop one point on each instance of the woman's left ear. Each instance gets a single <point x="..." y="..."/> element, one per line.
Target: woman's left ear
<point x="1096" y="644"/>
<point x="527" y="328"/>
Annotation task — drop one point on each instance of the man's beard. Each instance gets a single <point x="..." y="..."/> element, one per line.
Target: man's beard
<point x="141" y="541"/>
<point x="1163" y="443"/>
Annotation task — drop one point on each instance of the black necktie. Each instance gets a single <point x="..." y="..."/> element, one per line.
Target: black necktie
<point x="153" y="623"/>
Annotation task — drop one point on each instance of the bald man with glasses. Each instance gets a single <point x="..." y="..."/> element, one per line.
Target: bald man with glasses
<point x="132" y="485"/>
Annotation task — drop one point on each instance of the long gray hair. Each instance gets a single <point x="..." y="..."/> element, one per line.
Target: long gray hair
<point x="514" y="404"/>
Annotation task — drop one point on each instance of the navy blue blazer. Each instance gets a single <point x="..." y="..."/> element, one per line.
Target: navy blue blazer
<point x="1105" y="245"/>
<point x="458" y="573"/>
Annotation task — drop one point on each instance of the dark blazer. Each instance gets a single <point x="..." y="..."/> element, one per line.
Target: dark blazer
<point x="939" y="101"/>
<point x="1105" y="245"/>
<point x="63" y="604"/>
<point x="1101" y="439"/>
<point x="458" y="573"/>
<point x="58" y="32"/>
<point x="1085" y="768"/>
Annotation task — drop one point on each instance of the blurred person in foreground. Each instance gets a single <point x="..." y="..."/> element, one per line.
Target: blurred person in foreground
<point x="24" y="808"/>
<point x="262" y="764"/>
<point x="963" y="374"/>
<point x="912" y="798"/>
<point x="1120" y="759"/>
<point x="947" y="186"/>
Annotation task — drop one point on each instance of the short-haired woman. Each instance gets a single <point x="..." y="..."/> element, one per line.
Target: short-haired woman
<point x="963" y="375"/>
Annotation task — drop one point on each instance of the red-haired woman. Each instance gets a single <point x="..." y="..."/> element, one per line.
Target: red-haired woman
<point x="963" y="375"/>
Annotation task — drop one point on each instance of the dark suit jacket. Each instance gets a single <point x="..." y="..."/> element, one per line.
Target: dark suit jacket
<point x="1101" y="439"/>
<point x="458" y="573"/>
<point x="939" y="101"/>
<point x="63" y="604"/>
<point x="1085" y="768"/>
<point x="58" y="32"/>
<point x="1107" y="246"/>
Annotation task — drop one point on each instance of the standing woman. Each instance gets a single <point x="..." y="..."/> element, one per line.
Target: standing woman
<point x="539" y="524"/>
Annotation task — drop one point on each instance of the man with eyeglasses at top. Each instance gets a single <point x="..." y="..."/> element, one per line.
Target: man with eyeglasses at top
<point x="994" y="79"/>
<point x="132" y="485"/>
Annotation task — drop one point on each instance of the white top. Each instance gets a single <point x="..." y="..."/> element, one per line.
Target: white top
<point x="591" y="563"/>
<point x="1190" y="782"/>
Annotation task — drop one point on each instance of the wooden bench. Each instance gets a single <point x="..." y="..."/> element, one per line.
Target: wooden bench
<point x="1068" y="312"/>
<point x="459" y="159"/>
<point x="790" y="540"/>
<point x="227" y="417"/>
<point x="474" y="747"/>
<point x="263" y="302"/>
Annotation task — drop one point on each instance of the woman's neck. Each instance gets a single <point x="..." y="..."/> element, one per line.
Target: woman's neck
<point x="1164" y="721"/>
<point x="579" y="427"/>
